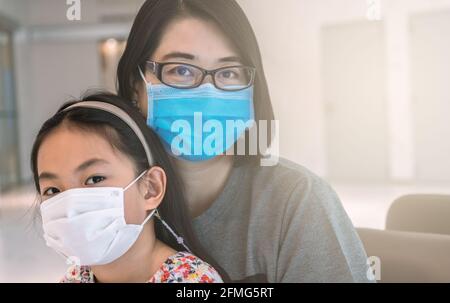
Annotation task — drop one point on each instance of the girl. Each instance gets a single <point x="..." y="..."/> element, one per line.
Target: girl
<point x="103" y="176"/>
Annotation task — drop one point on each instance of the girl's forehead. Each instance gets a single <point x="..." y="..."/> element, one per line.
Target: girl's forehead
<point x="65" y="148"/>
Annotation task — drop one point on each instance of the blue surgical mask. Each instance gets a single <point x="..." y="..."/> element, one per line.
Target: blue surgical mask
<point x="201" y="123"/>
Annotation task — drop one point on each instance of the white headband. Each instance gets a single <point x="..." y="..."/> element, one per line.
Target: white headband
<point x="120" y="113"/>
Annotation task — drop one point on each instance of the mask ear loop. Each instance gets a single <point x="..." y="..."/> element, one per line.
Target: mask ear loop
<point x="143" y="76"/>
<point x="135" y="180"/>
<point x="135" y="102"/>
<point x="149" y="91"/>
<point x="180" y="240"/>
<point x="68" y="259"/>
<point x="149" y="217"/>
<point x="155" y="212"/>
<point x="131" y="184"/>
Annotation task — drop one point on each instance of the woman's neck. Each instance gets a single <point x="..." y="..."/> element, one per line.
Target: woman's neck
<point x="139" y="264"/>
<point x="204" y="181"/>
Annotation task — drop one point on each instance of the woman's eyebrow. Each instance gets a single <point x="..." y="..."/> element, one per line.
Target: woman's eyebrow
<point x="178" y="55"/>
<point x="187" y="56"/>
<point x="231" y="59"/>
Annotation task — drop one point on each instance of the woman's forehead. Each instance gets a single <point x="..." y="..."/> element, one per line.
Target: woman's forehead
<point x="203" y="40"/>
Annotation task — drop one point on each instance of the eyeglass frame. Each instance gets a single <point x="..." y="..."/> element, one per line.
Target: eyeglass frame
<point x="158" y="67"/>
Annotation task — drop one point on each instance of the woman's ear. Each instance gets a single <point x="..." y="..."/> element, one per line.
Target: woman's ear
<point x="154" y="187"/>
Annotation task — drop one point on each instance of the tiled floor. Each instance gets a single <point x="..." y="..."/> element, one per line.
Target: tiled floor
<point x="25" y="258"/>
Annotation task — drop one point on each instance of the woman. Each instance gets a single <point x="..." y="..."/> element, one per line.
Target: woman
<point x="103" y="176"/>
<point x="278" y="224"/>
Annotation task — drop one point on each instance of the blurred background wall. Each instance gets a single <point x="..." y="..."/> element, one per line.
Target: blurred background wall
<point x="366" y="100"/>
<point x="360" y="88"/>
<point x="56" y="59"/>
<point x="358" y="100"/>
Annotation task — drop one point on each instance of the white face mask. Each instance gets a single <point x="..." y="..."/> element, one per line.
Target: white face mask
<point x="89" y="224"/>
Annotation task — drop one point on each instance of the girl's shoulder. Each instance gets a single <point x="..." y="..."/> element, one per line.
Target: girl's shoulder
<point x="78" y="274"/>
<point x="184" y="267"/>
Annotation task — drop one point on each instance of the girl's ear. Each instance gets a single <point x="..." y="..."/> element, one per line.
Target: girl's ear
<point x="154" y="187"/>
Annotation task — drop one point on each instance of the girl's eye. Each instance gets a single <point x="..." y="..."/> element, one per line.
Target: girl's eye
<point x="50" y="191"/>
<point x="94" y="180"/>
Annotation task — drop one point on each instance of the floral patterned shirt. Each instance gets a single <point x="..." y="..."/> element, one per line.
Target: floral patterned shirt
<point x="182" y="267"/>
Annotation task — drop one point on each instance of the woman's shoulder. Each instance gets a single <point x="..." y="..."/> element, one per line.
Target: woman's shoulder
<point x="184" y="267"/>
<point x="287" y="178"/>
<point x="290" y="188"/>
<point x="283" y="170"/>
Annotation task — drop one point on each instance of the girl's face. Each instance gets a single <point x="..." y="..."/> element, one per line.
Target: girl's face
<point x="193" y="41"/>
<point x="71" y="158"/>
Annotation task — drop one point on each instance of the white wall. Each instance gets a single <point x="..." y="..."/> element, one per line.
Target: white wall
<point x="57" y="60"/>
<point x="284" y="34"/>
<point x="289" y="34"/>
<point x="430" y="74"/>
<point x="14" y="9"/>
<point x="353" y="93"/>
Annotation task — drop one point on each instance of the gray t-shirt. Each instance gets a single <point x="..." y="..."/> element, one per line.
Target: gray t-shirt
<point x="281" y="224"/>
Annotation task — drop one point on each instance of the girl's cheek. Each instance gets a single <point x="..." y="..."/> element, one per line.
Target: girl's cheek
<point x="134" y="208"/>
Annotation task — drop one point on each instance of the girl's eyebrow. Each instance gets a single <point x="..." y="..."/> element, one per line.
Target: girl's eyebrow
<point x="46" y="175"/>
<point x="85" y="165"/>
<point x="90" y="163"/>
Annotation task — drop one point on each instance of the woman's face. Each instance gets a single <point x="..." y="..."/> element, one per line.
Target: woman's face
<point x="193" y="41"/>
<point x="70" y="158"/>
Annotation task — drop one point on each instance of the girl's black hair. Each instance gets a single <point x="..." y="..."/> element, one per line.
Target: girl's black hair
<point x="173" y="208"/>
<point x="153" y="19"/>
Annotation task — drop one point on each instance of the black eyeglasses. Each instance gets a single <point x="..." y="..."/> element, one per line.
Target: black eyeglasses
<point x="186" y="76"/>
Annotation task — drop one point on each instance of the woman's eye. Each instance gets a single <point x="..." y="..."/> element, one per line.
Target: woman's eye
<point x="94" y="180"/>
<point x="50" y="191"/>
<point x="228" y="74"/>
<point x="181" y="71"/>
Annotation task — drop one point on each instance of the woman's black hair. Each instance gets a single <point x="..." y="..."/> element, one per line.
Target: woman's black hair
<point x="173" y="208"/>
<point x="153" y="19"/>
